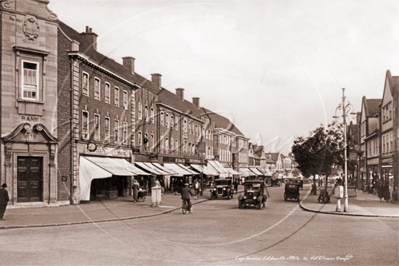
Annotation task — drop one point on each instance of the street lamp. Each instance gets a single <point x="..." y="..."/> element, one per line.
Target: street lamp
<point x="346" y="108"/>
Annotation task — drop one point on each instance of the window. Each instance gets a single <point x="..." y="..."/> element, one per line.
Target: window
<point x="171" y="121"/>
<point x="161" y="144"/>
<point x="30" y="81"/>
<point x="166" y="144"/>
<point x="107" y="129"/>
<point x="185" y="146"/>
<point x="391" y="139"/>
<point x="152" y="142"/>
<point x="189" y="147"/>
<point x="125" y="102"/>
<point x="107" y="93"/>
<point x="167" y="120"/>
<point x="171" y="144"/>
<point x="189" y="127"/>
<point x="97" y="89"/>
<point x="161" y="118"/>
<point x="196" y="130"/>
<point x="85" y="125"/>
<point x="116" y="96"/>
<point x="116" y="131"/>
<point x="85" y="84"/>
<point x="152" y="114"/>
<point x="176" y="123"/>
<point x="139" y="138"/>
<point x="140" y="111"/>
<point x="147" y="119"/>
<point x="176" y="144"/>
<point x="124" y="132"/>
<point x="185" y="125"/>
<point x="146" y="137"/>
<point x="96" y="127"/>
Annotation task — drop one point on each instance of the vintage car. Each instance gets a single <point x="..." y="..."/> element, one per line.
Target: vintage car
<point x="255" y="193"/>
<point x="291" y="191"/>
<point x="222" y="188"/>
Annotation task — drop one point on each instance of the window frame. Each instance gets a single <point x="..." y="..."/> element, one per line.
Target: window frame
<point x="124" y="132"/>
<point x="85" y="131"/>
<point x="97" y="126"/>
<point x="140" y="111"/>
<point x="37" y="63"/>
<point x="107" y="96"/>
<point x="84" y="73"/>
<point x="116" y="96"/>
<point x="99" y="89"/>
<point x="116" y="131"/>
<point x="107" y="129"/>
<point x="125" y="99"/>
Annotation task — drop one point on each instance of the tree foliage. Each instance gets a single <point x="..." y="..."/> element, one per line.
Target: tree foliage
<point x="320" y="151"/>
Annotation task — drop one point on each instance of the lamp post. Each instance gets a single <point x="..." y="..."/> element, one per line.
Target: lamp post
<point x="345" y="107"/>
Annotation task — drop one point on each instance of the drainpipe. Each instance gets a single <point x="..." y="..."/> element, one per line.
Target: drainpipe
<point x="72" y="142"/>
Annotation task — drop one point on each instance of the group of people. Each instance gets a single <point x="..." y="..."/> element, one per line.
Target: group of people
<point x="383" y="191"/>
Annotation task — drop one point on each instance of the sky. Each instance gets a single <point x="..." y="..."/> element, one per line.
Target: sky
<point x="275" y="68"/>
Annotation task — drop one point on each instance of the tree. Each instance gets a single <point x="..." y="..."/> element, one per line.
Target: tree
<point x="320" y="152"/>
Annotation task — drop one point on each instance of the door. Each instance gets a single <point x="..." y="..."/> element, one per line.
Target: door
<point x="29" y="179"/>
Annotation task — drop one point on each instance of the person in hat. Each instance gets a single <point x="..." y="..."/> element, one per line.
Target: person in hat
<point x="3" y="200"/>
<point x="185" y="195"/>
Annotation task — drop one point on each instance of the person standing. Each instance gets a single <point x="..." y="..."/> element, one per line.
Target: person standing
<point x="380" y="190"/>
<point x="185" y="195"/>
<point x="135" y="187"/>
<point x="3" y="200"/>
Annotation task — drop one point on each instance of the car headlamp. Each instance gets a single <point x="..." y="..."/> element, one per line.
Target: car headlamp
<point x="224" y="188"/>
<point x="245" y="197"/>
<point x="254" y="197"/>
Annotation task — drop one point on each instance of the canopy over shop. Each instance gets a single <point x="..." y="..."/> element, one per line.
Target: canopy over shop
<point x="104" y="167"/>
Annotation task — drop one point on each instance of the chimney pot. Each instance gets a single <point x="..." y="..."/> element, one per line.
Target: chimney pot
<point x="196" y="101"/>
<point x="180" y="93"/>
<point x="156" y="79"/>
<point x="128" y="62"/>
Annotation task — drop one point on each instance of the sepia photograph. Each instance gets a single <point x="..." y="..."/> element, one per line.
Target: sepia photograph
<point x="187" y="132"/>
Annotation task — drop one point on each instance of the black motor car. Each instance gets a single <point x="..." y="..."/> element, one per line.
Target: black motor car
<point x="291" y="191"/>
<point x="222" y="188"/>
<point x="255" y="193"/>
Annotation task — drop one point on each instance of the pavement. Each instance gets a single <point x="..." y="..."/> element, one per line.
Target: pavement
<point x="124" y="208"/>
<point x="364" y="204"/>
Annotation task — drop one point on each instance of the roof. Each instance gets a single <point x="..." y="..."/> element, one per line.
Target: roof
<point x="222" y="122"/>
<point x="110" y="64"/>
<point x="171" y="99"/>
<point x="372" y="106"/>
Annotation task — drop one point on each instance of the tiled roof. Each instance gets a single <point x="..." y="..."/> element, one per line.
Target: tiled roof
<point x="223" y="122"/>
<point x="372" y="106"/>
<point x="111" y="65"/>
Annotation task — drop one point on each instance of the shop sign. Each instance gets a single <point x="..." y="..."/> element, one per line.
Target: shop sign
<point x="196" y="161"/>
<point x="180" y="160"/>
<point x="29" y="119"/>
<point x="372" y="161"/>
<point x="107" y="151"/>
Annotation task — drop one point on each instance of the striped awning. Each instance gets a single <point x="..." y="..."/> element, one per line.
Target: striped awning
<point x="147" y="168"/>
<point x="176" y="169"/>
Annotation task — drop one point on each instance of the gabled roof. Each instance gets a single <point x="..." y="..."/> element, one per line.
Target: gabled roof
<point x="223" y="122"/>
<point x="371" y="106"/>
<point x="258" y="149"/>
<point x="86" y="48"/>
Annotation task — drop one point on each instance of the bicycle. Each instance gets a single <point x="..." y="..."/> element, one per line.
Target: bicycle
<point x="184" y="208"/>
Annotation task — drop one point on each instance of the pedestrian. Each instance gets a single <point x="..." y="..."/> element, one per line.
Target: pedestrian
<point x="380" y="190"/>
<point x="3" y="200"/>
<point x="135" y="187"/>
<point x="235" y="185"/>
<point x="387" y="194"/>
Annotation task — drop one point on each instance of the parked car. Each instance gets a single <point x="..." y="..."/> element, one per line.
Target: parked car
<point x="291" y="191"/>
<point x="255" y="193"/>
<point x="222" y="188"/>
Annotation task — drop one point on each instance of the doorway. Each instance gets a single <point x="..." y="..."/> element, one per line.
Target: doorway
<point x="29" y="179"/>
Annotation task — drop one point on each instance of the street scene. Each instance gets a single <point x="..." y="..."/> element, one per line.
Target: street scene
<point x="211" y="132"/>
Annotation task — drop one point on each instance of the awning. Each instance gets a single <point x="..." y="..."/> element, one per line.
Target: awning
<point x="131" y="168"/>
<point x="267" y="172"/>
<point x="205" y="170"/>
<point x="156" y="169"/>
<point x="222" y="172"/>
<point x="256" y="171"/>
<point x="99" y="167"/>
<point x="232" y="172"/>
<point x="187" y="169"/>
<point x="177" y="169"/>
<point x="147" y="168"/>
<point x="170" y="172"/>
<point x="245" y="172"/>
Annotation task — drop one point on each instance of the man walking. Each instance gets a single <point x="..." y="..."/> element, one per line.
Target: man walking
<point x="185" y="195"/>
<point x="3" y="200"/>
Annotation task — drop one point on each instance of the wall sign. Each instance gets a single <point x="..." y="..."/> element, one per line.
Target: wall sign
<point x="30" y="119"/>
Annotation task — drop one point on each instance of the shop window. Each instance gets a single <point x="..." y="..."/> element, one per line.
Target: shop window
<point x="107" y="129"/>
<point x="116" y="96"/>
<point x="107" y="93"/>
<point x="30" y="78"/>
<point x="96" y="127"/>
<point x="97" y="89"/>
<point x="85" y="84"/>
<point x="116" y="131"/>
<point x="125" y="101"/>
<point x="85" y="125"/>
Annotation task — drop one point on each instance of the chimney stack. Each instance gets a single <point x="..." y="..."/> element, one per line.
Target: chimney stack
<point x="156" y="78"/>
<point x="196" y="101"/>
<point x="128" y="62"/>
<point x="90" y="37"/>
<point x="180" y="93"/>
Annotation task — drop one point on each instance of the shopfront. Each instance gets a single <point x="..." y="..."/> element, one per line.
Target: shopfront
<point x="387" y="172"/>
<point x="373" y="174"/>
